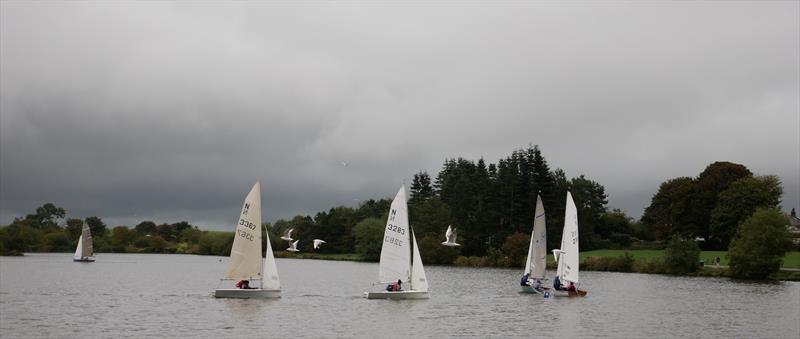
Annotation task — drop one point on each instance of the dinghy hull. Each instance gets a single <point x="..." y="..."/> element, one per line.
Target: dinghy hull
<point x="531" y="290"/>
<point x="83" y="259"/>
<point x="570" y="294"/>
<point x="400" y="295"/>
<point x="246" y="293"/>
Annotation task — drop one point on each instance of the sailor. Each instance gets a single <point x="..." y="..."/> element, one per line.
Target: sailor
<point x="525" y="280"/>
<point x="557" y="284"/>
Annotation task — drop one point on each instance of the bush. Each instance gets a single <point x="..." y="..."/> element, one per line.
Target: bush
<point x="516" y="249"/>
<point x="613" y="264"/>
<point x="759" y="246"/>
<point x="434" y="253"/>
<point x="681" y="256"/>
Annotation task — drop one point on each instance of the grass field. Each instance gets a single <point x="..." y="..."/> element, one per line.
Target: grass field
<point x="791" y="260"/>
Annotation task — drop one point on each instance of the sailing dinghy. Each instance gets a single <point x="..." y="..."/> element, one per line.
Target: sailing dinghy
<point x="400" y="259"/>
<point x="85" y="250"/>
<point x="568" y="255"/>
<point x="246" y="262"/>
<point x="537" y="253"/>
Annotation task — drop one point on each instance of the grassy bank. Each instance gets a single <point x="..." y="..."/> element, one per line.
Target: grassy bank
<point x="791" y="260"/>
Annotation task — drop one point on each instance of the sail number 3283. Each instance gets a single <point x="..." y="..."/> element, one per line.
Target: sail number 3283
<point x="396" y="229"/>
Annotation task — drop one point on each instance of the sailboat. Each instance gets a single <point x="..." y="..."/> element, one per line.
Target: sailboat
<point x="85" y="250"/>
<point x="537" y="252"/>
<point x="400" y="259"/>
<point x="567" y="256"/>
<point x="450" y="238"/>
<point x="246" y="262"/>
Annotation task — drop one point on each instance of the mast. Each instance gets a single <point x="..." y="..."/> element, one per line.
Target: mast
<point x="411" y="257"/>
<point x="265" y="254"/>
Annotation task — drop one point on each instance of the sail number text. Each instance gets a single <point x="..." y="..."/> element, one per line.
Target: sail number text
<point x="396" y="229"/>
<point x="243" y="233"/>
<point x="392" y="240"/>
<point x="247" y="224"/>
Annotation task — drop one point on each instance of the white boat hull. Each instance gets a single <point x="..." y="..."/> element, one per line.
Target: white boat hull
<point x="400" y="295"/>
<point x="246" y="293"/>
<point x="84" y="259"/>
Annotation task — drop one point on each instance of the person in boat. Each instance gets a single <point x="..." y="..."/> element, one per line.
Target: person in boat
<point x="571" y="287"/>
<point x="525" y="281"/>
<point x="557" y="284"/>
<point x="538" y="285"/>
<point x="395" y="287"/>
<point x="244" y="285"/>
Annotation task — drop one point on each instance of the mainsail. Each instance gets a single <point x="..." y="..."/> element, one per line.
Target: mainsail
<point x="537" y="250"/>
<point x="568" y="255"/>
<point x="245" y="260"/>
<point x="396" y="250"/>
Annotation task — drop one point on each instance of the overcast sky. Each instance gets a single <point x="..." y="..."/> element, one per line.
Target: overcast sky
<point x="137" y="111"/>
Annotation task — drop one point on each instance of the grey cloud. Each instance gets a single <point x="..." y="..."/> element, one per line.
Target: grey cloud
<point x="170" y="111"/>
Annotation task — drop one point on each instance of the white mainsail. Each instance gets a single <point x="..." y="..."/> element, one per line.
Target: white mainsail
<point x="396" y="250"/>
<point x="537" y="250"/>
<point x="270" y="271"/>
<point x="568" y="255"/>
<point x="79" y="250"/>
<point x="418" y="280"/>
<point x="245" y="260"/>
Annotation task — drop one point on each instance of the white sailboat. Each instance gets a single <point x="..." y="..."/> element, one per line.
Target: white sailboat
<point x="537" y="253"/>
<point x="568" y="256"/>
<point x="246" y="262"/>
<point x="450" y="238"/>
<point x="400" y="259"/>
<point x="85" y="250"/>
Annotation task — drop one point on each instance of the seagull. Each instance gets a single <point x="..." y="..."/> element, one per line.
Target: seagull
<point x="318" y="242"/>
<point x="344" y="163"/>
<point x="450" y="238"/>
<point x="288" y="235"/>
<point x="293" y="246"/>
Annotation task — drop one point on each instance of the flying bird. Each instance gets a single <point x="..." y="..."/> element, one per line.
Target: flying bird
<point x="288" y="235"/>
<point x="318" y="242"/>
<point x="293" y="246"/>
<point x="450" y="238"/>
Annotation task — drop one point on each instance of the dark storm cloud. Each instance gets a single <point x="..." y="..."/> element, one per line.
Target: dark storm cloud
<point x="170" y="111"/>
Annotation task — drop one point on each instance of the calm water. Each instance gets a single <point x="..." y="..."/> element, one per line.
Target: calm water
<point x="147" y="295"/>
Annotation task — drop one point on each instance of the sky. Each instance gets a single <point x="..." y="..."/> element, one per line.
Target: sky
<point x="171" y="111"/>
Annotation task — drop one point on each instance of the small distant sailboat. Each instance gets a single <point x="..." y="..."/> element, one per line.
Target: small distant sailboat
<point x="288" y="235"/>
<point x="450" y="238"/>
<point x="537" y="253"/>
<point x="85" y="250"/>
<point x="246" y="262"/>
<point x="318" y="242"/>
<point x="400" y="259"/>
<point x="568" y="255"/>
<point x="293" y="246"/>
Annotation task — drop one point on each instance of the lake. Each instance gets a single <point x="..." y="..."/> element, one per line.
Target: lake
<point x="152" y="295"/>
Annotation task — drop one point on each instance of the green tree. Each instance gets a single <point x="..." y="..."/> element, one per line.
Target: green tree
<point x="96" y="226"/>
<point x="121" y="238"/>
<point x="715" y="179"/>
<point x="434" y="253"/>
<point x="516" y="247"/>
<point x="739" y="201"/>
<point x="421" y="188"/>
<point x="369" y="238"/>
<point x="47" y="214"/>
<point x="590" y="199"/>
<point x="74" y="228"/>
<point x="681" y="256"/>
<point x="146" y="227"/>
<point x="669" y="208"/>
<point x="760" y="244"/>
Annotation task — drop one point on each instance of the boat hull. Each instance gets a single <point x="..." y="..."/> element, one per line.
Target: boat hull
<point x="246" y="293"/>
<point x="83" y="259"/>
<point x="531" y="290"/>
<point x="569" y="294"/>
<point x="400" y="295"/>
